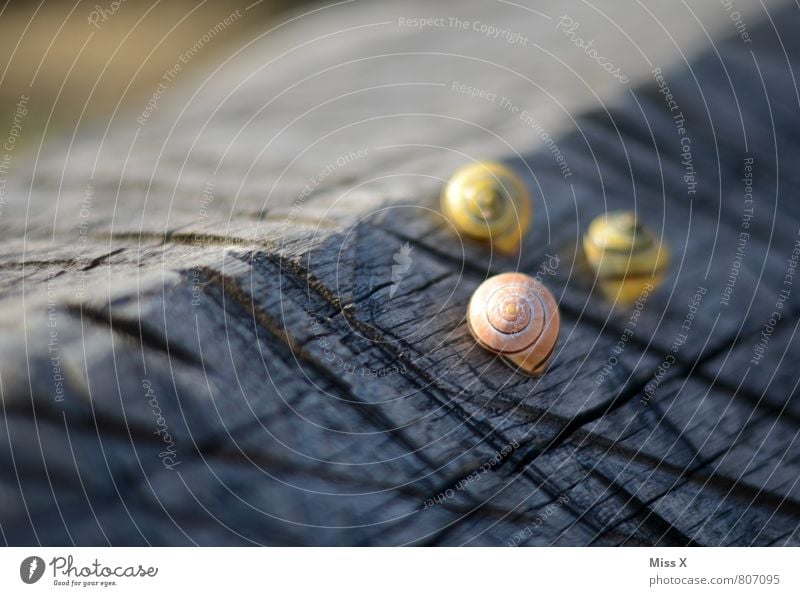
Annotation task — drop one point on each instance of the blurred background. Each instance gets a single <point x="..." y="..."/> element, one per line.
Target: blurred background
<point x="255" y="223"/>
<point x="99" y="55"/>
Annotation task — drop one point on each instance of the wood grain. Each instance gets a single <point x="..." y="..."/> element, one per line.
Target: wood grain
<point x="220" y="276"/>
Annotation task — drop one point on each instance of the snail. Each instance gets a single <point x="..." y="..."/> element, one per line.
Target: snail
<point x="627" y="258"/>
<point x="488" y="202"/>
<point x="516" y="317"/>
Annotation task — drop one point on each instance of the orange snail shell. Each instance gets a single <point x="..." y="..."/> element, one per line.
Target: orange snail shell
<point x="515" y="316"/>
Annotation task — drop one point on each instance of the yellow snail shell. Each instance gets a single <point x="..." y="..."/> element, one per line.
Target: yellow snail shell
<point x="627" y="258"/>
<point x="488" y="202"/>
<point x="515" y="316"/>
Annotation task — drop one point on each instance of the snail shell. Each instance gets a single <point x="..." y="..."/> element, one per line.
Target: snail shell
<point x="488" y="202"/>
<point x="625" y="255"/>
<point x="515" y="316"/>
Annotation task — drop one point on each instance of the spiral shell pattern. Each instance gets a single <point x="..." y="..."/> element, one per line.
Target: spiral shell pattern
<point x="515" y="316"/>
<point x="488" y="202"/>
<point x="627" y="258"/>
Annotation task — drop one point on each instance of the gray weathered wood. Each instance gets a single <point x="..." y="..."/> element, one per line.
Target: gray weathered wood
<point x="198" y="275"/>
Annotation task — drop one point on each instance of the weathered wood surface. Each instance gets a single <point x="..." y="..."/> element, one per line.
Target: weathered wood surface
<point x="178" y="268"/>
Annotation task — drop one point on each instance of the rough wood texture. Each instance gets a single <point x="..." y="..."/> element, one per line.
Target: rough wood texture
<point x="211" y="333"/>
